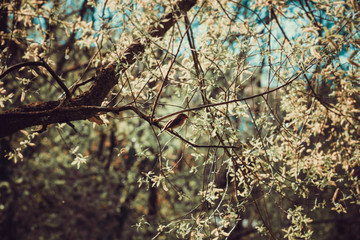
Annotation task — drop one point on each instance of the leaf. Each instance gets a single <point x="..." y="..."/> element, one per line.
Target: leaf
<point x="96" y="119"/>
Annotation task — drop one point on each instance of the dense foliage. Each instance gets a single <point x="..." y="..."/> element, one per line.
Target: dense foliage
<point x="270" y="149"/>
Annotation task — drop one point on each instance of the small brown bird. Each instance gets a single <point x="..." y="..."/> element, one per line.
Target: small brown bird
<point x="176" y="122"/>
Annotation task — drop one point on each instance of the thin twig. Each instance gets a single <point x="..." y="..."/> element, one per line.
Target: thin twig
<point x="43" y="64"/>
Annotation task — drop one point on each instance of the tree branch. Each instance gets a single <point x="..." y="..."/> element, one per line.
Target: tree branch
<point x="44" y="113"/>
<point x="43" y="64"/>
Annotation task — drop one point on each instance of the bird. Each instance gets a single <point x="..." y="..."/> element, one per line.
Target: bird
<point x="175" y="122"/>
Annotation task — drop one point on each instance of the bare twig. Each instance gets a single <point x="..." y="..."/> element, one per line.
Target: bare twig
<point x="43" y="64"/>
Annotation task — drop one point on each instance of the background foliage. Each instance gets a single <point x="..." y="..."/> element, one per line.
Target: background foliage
<point x="270" y="149"/>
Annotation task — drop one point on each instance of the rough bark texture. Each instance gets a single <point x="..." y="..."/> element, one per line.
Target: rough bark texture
<point x="44" y="113"/>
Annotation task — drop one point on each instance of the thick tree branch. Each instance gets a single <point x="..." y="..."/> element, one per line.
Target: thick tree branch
<point x="44" y="113"/>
